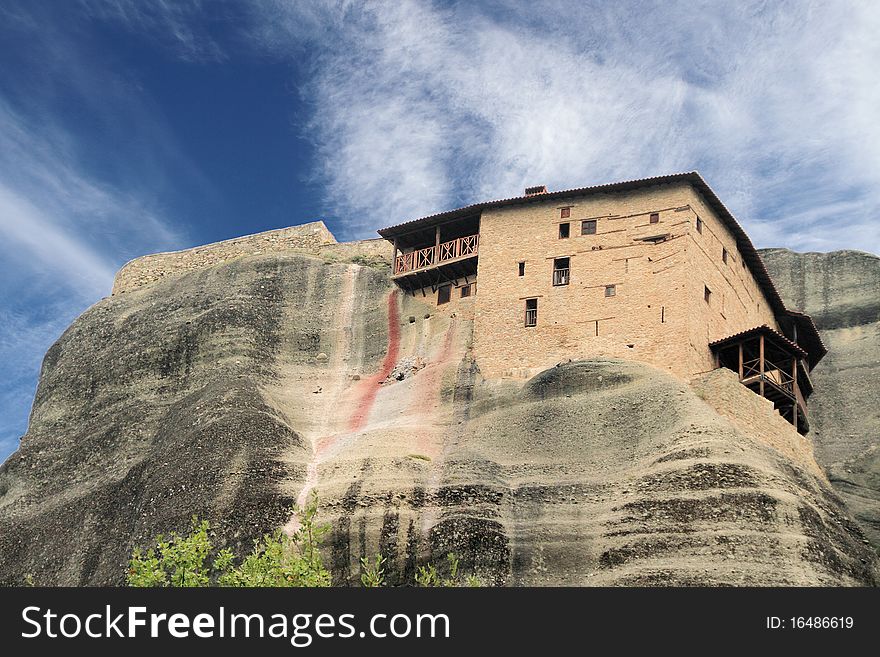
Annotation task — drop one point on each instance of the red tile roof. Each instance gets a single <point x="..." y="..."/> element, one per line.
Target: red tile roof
<point x="776" y="335"/>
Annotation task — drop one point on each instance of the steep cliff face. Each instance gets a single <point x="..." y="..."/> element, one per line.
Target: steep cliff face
<point x="233" y="391"/>
<point x="841" y="290"/>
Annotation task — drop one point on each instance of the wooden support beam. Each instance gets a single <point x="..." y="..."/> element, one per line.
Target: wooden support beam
<point x="740" y="345"/>
<point x="794" y="391"/>
<point x="761" y="361"/>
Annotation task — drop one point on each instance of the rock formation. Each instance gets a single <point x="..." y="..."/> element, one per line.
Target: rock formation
<point x="841" y="290"/>
<point x="233" y="390"/>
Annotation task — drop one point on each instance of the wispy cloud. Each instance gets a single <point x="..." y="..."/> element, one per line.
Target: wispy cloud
<point x="182" y="25"/>
<point x="418" y="106"/>
<point x="68" y="219"/>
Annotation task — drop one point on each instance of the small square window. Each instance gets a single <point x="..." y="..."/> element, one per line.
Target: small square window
<point x="610" y="290"/>
<point x="707" y="293"/>
<point x="564" y="230"/>
<point x="522" y="269"/>
<point x="444" y="293"/>
<point x="588" y="227"/>
<point x="465" y="291"/>
<point x="699" y="225"/>
<point x="564" y="213"/>
<point x="531" y="312"/>
<point x="723" y="255"/>
<point x="655" y="217"/>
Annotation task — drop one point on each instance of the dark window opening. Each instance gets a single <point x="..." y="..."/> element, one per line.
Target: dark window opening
<point x="522" y="269"/>
<point x="655" y="217"/>
<point x="444" y="293"/>
<point x="466" y="290"/>
<point x="597" y="327"/>
<point x="531" y="312"/>
<point x="699" y="225"/>
<point x="564" y="230"/>
<point x="588" y="227"/>
<point x="662" y="314"/>
<point x="564" y="213"/>
<point x="724" y="255"/>
<point x="561" y="271"/>
<point x="610" y="290"/>
<point x="707" y="294"/>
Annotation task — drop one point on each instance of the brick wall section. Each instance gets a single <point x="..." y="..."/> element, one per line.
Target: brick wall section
<point x="736" y="303"/>
<point x="313" y="238"/>
<point x="754" y="416"/>
<point x="646" y="320"/>
<point x="658" y="314"/>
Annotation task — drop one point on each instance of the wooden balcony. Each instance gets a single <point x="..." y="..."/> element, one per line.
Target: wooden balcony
<point x="768" y="364"/>
<point x="433" y="256"/>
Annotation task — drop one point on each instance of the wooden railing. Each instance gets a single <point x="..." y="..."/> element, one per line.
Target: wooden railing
<point x="772" y="372"/>
<point x="435" y="255"/>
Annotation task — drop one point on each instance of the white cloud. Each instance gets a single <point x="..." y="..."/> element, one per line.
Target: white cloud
<point x="420" y="106"/>
<point x="64" y="227"/>
<point x="53" y="216"/>
<point x="179" y="24"/>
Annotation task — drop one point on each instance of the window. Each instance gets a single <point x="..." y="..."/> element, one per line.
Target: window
<point x="466" y="290"/>
<point x="723" y="255"/>
<point x="564" y="213"/>
<point x="655" y="217"/>
<point x="699" y="225"/>
<point x="531" y="312"/>
<point x="443" y="294"/>
<point x="588" y="227"/>
<point x="564" y="230"/>
<point x="610" y="290"/>
<point x="707" y="294"/>
<point x="561" y="271"/>
<point x="522" y="269"/>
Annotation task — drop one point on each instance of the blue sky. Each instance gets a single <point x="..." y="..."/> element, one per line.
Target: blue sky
<point x="128" y="126"/>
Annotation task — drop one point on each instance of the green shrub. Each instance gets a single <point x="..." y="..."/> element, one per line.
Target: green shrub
<point x="428" y="576"/>
<point x="276" y="560"/>
<point x="373" y="574"/>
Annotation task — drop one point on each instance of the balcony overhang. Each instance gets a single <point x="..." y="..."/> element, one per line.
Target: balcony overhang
<point x="770" y="365"/>
<point x="455" y="271"/>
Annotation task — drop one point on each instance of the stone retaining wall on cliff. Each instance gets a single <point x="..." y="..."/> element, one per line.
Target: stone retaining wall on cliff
<point x="313" y="238"/>
<point x="754" y="416"/>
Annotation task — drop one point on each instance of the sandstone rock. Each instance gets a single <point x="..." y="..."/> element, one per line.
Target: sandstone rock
<point x="841" y="290"/>
<point x="591" y="473"/>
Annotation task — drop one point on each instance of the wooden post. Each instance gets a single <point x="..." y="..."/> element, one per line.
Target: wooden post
<point x="437" y="245"/>
<point x="761" y="361"/>
<point x="394" y="258"/>
<point x="794" y="391"/>
<point x="741" y="373"/>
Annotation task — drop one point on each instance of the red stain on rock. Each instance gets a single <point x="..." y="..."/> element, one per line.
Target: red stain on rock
<point x="369" y="388"/>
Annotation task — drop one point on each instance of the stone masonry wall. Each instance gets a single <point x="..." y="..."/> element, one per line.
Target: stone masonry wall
<point x="646" y="319"/>
<point x="313" y="238"/>
<point x="736" y="302"/>
<point x="755" y="416"/>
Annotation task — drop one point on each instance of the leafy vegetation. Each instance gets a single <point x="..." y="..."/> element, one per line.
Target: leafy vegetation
<point x="428" y="576"/>
<point x="276" y="560"/>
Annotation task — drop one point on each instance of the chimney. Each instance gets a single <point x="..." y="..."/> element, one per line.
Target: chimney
<point x="533" y="191"/>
